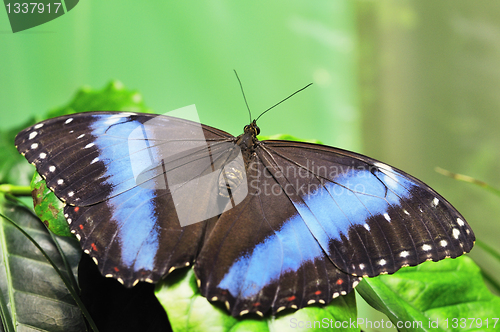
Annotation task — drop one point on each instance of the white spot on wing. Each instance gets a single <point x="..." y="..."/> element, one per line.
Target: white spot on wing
<point x="71" y="193"/>
<point x="443" y="243"/>
<point x="69" y="220"/>
<point x="382" y="262"/>
<point x="354" y="284"/>
<point x="89" y="145"/>
<point x="456" y="233"/>
<point x="336" y="294"/>
<point x="406" y="212"/>
<point x="52" y="168"/>
<point x="80" y="136"/>
<point x="68" y="121"/>
<point x="135" y="282"/>
<point x="96" y="159"/>
<point x="95" y="261"/>
<point x="404" y="254"/>
<point x="60" y="181"/>
<point x="34" y="146"/>
<point x="460" y="222"/>
<point x="435" y="202"/>
<point x="38" y="126"/>
<point x="387" y="217"/>
<point x="426" y="247"/>
<point x="361" y="266"/>
<point x="43" y="155"/>
<point x="367" y="227"/>
<point x="311" y="302"/>
<point x="32" y="135"/>
<point x="343" y="292"/>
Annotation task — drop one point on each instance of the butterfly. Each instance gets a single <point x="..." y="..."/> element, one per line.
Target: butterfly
<point x="266" y="225"/>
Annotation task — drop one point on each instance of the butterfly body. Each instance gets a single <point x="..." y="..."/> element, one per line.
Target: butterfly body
<point x="282" y="225"/>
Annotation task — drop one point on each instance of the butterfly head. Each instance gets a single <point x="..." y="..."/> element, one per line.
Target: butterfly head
<point x="248" y="139"/>
<point x="252" y="129"/>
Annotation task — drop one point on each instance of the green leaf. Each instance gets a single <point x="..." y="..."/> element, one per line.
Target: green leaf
<point x="13" y="166"/>
<point x="32" y="295"/>
<point x="434" y="293"/>
<point x="48" y="207"/>
<point x="188" y="310"/>
<point x="113" y="97"/>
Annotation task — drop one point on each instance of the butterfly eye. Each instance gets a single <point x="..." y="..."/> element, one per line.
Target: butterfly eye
<point x="257" y="130"/>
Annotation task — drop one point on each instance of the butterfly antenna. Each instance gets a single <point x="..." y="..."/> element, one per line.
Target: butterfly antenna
<point x="290" y="96"/>
<point x="243" y="92"/>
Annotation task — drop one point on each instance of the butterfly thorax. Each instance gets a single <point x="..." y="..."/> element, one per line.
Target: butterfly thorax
<point x="248" y="140"/>
<point x="235" y="170"/>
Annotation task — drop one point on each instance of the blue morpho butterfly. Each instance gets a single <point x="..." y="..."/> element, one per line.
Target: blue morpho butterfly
<point x="280" y="224"/>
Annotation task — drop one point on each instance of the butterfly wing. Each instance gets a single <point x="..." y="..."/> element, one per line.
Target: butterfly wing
<point x="370" y="218"/>
<point x="315" y="218"/>
<point x="260" y="255"/>
<point x="125" y="220"/>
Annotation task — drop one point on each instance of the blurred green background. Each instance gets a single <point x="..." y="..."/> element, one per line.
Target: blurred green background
<point x="414" y="83"/>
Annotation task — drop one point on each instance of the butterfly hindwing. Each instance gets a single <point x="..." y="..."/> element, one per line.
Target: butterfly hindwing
<point x="135" y="236"/>
<point x="261" y="256"/>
